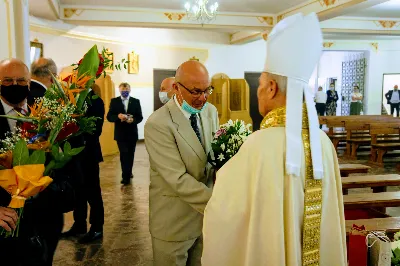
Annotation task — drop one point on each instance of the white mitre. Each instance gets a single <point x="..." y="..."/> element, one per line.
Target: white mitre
<point x="293" y="50"/>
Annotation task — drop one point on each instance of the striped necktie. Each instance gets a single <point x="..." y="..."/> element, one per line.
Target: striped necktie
<point x="193" y="122"/>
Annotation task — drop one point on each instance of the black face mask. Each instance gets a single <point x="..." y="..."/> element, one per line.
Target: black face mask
<point x="14" y="94"/>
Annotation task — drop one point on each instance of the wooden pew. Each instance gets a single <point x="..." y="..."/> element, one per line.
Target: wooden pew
<point x="357" y="133"/>
<point x="371" y="200"/>
<point x="377" y="182"/>
<point x="347" y="169"/>
<point x="390" y="225"/>
<point x="384" y="138"/>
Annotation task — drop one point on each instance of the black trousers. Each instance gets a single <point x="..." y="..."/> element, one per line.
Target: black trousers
<point x="321" y="107"/>
<point x="394" y="106"/>
<point x="126" y="156"/>
<point x="91" y="193"/>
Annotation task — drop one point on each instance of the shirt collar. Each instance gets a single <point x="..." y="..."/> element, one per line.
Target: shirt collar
<point x="6" y="107"/>
<point x="38" y="82"/>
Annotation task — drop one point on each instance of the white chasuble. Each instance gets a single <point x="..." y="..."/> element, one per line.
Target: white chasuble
<point x="256" y="213"/>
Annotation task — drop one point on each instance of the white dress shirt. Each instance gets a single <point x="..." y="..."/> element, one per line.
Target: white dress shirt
<point x="395" y="97"/>
<point x="187" y="115"/>
<point x="9" y="110"/>
<point x="320" y="97"/>
<point x="125" y="101"/>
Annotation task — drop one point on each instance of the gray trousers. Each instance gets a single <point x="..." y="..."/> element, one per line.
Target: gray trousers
<point x="185" y="253"/>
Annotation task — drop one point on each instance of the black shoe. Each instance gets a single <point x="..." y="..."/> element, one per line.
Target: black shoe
<point x="125" y="181"/>
<point x="74" y="231"/>
<point x="91" y="236"/>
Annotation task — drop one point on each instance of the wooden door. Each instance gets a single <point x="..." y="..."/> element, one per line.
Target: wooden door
<point x="252" y="80"/>
<point x="158" y="76"/>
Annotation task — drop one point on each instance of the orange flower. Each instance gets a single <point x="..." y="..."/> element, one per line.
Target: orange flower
<point x="23" y="182"/>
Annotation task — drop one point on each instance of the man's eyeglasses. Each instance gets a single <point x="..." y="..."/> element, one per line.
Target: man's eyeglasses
<point x="197" y="93"/>
<point x="11" y="81"/>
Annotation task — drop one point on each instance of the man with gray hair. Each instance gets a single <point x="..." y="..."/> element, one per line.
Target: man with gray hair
<point x="41" y="79"/>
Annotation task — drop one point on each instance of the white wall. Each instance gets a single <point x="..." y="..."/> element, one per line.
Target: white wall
<point x="234" y="60"/>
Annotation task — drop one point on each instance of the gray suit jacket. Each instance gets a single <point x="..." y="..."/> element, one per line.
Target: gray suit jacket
<point x="180" y="177"/>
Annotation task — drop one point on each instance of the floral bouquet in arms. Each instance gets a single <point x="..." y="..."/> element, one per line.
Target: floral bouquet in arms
<point x="227" y="142"/>
<point x="40" y="143"/>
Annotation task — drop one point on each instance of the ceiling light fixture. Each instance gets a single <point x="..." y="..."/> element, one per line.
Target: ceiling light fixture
<point x="201" y="11"/>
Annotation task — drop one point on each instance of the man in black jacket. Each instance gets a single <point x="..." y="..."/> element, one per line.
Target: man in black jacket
<point x="91" y="192"/>
<point x="41" y="78"/>
<point x="393" y="98"/>
<point x="126" y="113"/>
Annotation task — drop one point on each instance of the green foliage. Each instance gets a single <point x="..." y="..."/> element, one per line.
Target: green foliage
<point x="81" y="100"/>
<point x="20" y="153"/>
<point x="37" y="157"/>
<point x="58" y="88"/>
<point x="90" y="63"/>
<point x="396" y="257"/>
<point x="87" y="124"/>
<point x="60" y="157"/>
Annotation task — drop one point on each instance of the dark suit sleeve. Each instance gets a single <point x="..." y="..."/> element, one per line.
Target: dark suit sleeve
<point x="137" y="116"/>
<point x="98" y="111"/>
<point x="5" y="197"/>
<point x="112" y="115"/>
<point x="387" y="95"/>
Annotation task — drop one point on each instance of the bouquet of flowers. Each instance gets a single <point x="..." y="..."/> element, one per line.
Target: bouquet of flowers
<point x="40" y="143"/>
<point x="227" y="142"/>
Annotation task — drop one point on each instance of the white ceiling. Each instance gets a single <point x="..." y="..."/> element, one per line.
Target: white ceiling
<point x="41" y="9"/>
<point x="256" y="6"/>
<point x="390" y="9"/>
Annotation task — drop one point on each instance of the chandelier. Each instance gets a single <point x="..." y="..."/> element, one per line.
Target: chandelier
<point x="201" y="11"/>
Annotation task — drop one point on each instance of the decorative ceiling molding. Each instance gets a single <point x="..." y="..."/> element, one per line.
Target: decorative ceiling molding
<point x="328" y="44"/>
<point x="375" y="45"/>
<point x="264" y="36"/>
<point x="327" y="3"/>
<point x="325" y="9"/>
<point x="267" y="20"/>
<point x="175" y="16"/>
<point x="386" y="24"/>
<point x="69" y="12"/>
<point x="245" y="37"/>
<point x="135" y="17"/>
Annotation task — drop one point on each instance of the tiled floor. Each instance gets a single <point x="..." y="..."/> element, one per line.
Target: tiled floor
<point x="126" y="233"/>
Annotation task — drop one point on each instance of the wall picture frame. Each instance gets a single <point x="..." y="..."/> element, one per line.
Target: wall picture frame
<point x="36" y="50"/>
<point x="133" y="67"/>
<point x="110" y="56"/>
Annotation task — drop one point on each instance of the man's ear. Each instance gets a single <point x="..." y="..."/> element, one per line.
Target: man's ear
<point x="272" y="89"/>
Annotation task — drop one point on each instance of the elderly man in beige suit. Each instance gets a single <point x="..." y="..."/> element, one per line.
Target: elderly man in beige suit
<point x="178" y="138"/>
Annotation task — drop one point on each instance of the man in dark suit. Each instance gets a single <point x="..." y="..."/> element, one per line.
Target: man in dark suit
<point x="393" y="98"/>
<point x="91" y="191"/>
<point x="41" y="78"/>
<point x="14" y="88"/>
<point x="126" y="113"/>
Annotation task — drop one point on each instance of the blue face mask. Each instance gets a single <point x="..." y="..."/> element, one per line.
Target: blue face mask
<point x="191" y="110"/>
<point x="125" y="94"/>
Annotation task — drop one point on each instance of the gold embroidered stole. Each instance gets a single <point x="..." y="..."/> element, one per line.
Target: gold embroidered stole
<point x="312" y="190"/>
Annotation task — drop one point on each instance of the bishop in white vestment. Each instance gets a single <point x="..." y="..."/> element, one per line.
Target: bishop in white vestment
<point x="279" y="200"/>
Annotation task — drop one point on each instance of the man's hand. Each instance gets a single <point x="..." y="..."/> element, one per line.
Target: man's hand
<point x="130" y="120"/>
<point x="122" y="117"/>
<point x="8" y="218"/>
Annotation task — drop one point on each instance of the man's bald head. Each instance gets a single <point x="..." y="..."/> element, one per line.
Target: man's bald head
<point x="271" y="92"/>
<point x="14" y="72"/>
<point x="9" y="66"/>
<point x="193" y="72"/>
<point x="167" y="85"/>
<point x="192" y="76"/>
<point x="41" y="69"/>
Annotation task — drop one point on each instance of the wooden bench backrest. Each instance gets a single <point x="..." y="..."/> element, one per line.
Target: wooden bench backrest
<point x="379" y="129"/>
